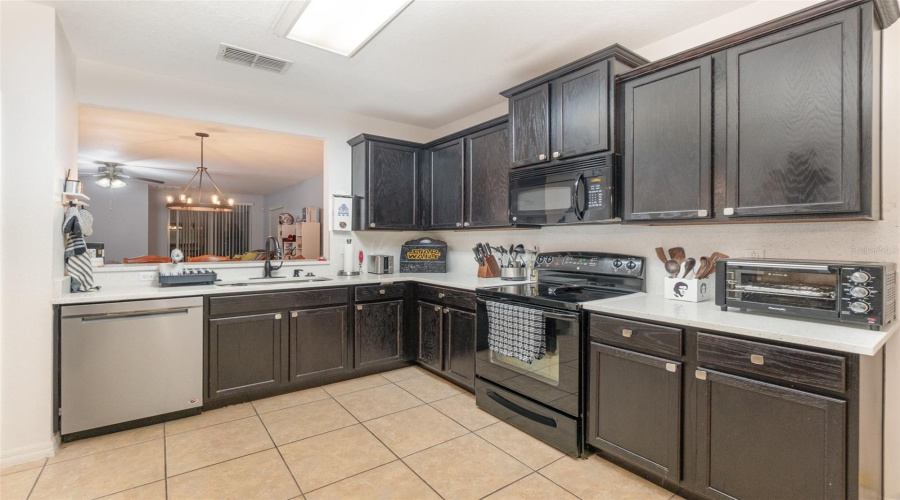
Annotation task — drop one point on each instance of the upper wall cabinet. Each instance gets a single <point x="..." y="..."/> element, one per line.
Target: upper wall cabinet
<point x="447" y="171"/>
<point x="567" y="112"/>
<point x="385" y="183"/>
<point x="667" y="154"/>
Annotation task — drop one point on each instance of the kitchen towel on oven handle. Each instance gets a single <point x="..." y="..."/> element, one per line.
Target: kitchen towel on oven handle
<point x="516" y="331"/>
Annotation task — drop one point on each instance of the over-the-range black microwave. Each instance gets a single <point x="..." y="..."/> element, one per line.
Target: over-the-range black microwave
<point x="580" y="191"/>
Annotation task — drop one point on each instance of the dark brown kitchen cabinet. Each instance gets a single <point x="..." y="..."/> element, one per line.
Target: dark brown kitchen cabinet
<point x="487" y="177"/>
<point x="529" y="126"/>
<point x="385" y="183"/>
<point x="447" y="173"/>
<point x="635" y="408"/>
<point x="759" y="440"/>
<point x="667" y="156"/>
<point x="318" y="342"/>
<point x="459" y="332"/>
<point x="379" y="333"/>
<point x="794" y="122"/>
<point x="246" y="353"/>
<point x="430" y="322"/>
<point x="581" y="109"/>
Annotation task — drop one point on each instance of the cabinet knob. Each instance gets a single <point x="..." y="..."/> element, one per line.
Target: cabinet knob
<point x="371" y="224"/>
<point x="278" y="316"/>
<point x="441" y="295"/>
<point x="466" y="224"/>
<point x="446" y="310"/>
<point x="459" y="224"/>
<point x="626" y="332"/>
<point x="294" y="314"/>
<point x="757" y="359"/>
<point x="671" y="367"/>
<point x="382" y="291"/>
<point x="700" y="374"/>
<point x="556" y="154"/>
<point x="359" y="308"/>
<point x="542" y="157"/>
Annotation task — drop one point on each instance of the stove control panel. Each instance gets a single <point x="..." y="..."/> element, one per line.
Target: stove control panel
<point x="591" y="263"/>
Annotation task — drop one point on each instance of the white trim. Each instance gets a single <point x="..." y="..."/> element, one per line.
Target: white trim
<point x="27" y="454"/>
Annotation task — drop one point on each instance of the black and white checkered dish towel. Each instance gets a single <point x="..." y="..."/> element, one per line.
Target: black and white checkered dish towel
<point x="516" y="331"/>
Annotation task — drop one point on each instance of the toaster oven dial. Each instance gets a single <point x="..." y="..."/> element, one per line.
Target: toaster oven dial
<point x="859" y="292"/>
<point x="860" y="277"/>
<point x="859" y="307"/>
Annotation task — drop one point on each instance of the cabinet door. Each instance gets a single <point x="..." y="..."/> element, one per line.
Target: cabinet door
<point x="529" y="126"/>
<point x="667" y="160"/>
<point x="487" y="177"/>
<point x="431" y="320"/>
<point x="393" y="186"/>
<point x="758" y="440"/>
<point x="245" y="353"/>
<point x="379" y="332"/>
<point x="581" y="106"/>
<point x="447" y="173"/>
<point x="459" y="361"/>
<point x="793" y="120"/>
<point x="635" y="408"/>
<point x="318" y="344"/>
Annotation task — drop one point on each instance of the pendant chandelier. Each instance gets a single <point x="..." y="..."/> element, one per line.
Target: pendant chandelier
<point x="186" y="200"/>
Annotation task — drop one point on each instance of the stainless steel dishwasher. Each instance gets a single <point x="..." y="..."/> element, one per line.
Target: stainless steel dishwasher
<point x="126" y="361"/>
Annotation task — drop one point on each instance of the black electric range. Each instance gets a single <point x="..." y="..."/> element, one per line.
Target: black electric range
<point x="543" y="395"/>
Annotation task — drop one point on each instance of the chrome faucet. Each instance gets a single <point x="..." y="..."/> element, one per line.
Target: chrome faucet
<point x="267" y="267"/>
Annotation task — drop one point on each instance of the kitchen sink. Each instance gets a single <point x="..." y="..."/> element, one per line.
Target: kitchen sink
<point x="272" y="281"/>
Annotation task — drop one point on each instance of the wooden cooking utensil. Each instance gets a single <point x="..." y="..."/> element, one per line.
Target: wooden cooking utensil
<point x="712" y="262"/>
<point x="701" y="271"/>
<point x="677" y="254"/>
<point x="661" y="254"/>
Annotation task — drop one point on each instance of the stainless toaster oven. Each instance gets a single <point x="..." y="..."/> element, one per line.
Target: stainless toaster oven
<point x="859" y="293"/>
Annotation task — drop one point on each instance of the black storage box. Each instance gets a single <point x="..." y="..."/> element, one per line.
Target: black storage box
<point x="423" y="255"/>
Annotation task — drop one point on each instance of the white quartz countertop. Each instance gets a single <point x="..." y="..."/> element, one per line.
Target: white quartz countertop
<point x="114" y="294"/>
<point x="707" y="315"/>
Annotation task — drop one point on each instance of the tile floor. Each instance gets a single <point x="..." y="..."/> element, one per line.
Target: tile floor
<point x="404" y="434"/>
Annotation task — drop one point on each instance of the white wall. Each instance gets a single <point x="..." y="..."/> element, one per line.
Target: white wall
<point x="120" y="219"/>
<point x="308" y="193"/>
<point x="39" y="137"/>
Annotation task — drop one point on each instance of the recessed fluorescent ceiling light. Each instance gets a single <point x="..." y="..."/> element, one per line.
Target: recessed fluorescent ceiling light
<point x="341" y="26"/>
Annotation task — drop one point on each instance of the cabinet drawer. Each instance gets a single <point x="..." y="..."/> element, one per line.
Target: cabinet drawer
<point x="447" y="296"/>
<point x="257" y="302"/>
<point x="379" y="292"/>
<point x="636" y="335"/>
<point x="808" y="368"/>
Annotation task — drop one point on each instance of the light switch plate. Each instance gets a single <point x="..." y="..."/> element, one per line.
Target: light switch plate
<point x="147" y="276"/>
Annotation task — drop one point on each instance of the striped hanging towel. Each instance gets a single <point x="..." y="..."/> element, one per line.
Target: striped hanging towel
<point x="78" y="222"/>
<point x="516" y="331"/>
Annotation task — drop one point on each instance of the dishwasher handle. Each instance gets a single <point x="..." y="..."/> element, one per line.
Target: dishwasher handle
<point x="93" y="318"/>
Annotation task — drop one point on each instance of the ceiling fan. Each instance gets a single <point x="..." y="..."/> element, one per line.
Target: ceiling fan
<point x="109" y="174"/>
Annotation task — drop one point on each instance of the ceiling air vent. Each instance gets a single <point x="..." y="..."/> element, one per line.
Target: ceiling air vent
<point x="252" y="59"/>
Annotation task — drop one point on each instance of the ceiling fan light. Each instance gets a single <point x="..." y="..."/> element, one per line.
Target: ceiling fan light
<point x="102" y="182"/>
<point x="117" y="183"/>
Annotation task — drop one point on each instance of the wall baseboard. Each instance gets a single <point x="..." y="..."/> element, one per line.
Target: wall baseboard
<point x="30" y="453"/>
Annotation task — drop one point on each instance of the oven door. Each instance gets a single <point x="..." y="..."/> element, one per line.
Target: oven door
<point x="806" y="290"/>
<point x="553" y="380"/>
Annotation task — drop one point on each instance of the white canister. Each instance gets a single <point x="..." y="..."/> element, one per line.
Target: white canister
<point x="689" y="290"/>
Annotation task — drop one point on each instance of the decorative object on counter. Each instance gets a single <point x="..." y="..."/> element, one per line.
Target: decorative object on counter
<point x="684" y="282"/>
<point x="863" y="293"/>
<point x="186" y="202"/>
<point x="688" y="290"/>
<point x="381" y="264"/>
<point x="78" y="223"/>
<point x="341" y="212"/>
<point x="348" y="269"/>
<point x="424" y="255"/>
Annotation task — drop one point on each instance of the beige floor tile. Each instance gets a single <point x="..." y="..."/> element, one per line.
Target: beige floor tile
<point x="462" y="409"/>
<point x="84" y="447"/>
<point x="356" y="384"/>
<point x="327" y="458"/>
<point x="210" y="445"/>
<point x="152" y="491"/>
<point x="300" y="422"/>
<point x="208" y="418"/>
<point x="404" y="373"/>
<point x="414" y="430"/>
<point x="103" y="473"/>
<point x="377" y="401"/>
<point x="597" y="478"/>
<point x="17" y="485"/>
<point x="19" y="468"/>
<point x="290" y="399"/>
<point x="533" y="487"/>
<point x="430" y="388"/>
<point x="261" y="475"/>
<point x="393" y="481"/>
<point x="528" y="450"/>
<point x="466" y="468"/>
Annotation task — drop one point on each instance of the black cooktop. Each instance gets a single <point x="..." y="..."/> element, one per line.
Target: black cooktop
<point x="567" y="279"/>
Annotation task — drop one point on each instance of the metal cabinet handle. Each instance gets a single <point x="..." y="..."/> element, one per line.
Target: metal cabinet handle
<point x="371" y="224"/>
<point x="542" y="157"/>
<point x="556" y="154"/>
<point x="278" y="316"/>
<point x="441" y="295"/>
<point x="700" y="374"/>
<point x="294" y="314"/>
<point x="359" y="308"/>
<point x="446" y="310"/>
<point x="728" y="211"/>
<point x="459" y="224"/>
<point x="382" y="291"/>
<point x="437" y="308"/>
<point x="466" y="224"/>
<point x="757" y="359"/>
<point x="626" y="332"/>
<point x="671" y="367"/>
<point x="702" y="213"/>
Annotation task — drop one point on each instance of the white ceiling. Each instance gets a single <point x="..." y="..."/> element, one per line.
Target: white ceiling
<point x="241" y="160"/>
<point x="437" y="62"/>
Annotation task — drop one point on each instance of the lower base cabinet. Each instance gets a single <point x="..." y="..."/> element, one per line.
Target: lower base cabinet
<point x="245" y="353"/>
<point x="459" y="331"/>
<point x="318" y="342"/>
<point x="379" y="333"/>
<point x="446" y="332"/>
<point x="431" y="326"/>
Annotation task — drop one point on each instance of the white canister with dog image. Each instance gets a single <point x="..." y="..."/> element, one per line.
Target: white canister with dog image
<point x="689" y="290"/>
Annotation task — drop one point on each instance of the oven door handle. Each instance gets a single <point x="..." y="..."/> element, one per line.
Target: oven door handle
<point x="525" y="412"/>
<point x="561" y="317"/>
